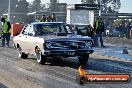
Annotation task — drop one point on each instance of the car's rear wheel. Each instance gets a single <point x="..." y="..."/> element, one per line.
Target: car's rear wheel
<point x="40" y="58"/>
<point x="22" y="54"/>
<point x="83" y="59"/>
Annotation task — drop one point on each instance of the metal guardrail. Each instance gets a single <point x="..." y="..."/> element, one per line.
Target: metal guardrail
<point x="96" y="14"/>
<point x="104" y="15"/>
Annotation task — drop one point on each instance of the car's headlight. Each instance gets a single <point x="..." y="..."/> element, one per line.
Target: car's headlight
<point x="73" y="44"/>
<point x="48" y="45"/>
<point x="88" y="44"/>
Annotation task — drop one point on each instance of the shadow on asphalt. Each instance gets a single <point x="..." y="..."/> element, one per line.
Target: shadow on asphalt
<point x="100" y="65"/>
<point x="109" y="66"/>
<point x="93" y="64"/>
<point x="3" y="86"/>
<point x="61" y="62"/>
<point x="64" y="62"/>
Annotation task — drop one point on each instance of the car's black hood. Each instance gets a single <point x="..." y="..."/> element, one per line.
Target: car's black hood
<point x="66" y="38"/>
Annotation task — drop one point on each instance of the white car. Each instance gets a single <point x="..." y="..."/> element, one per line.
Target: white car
<point x="51" y="39"/>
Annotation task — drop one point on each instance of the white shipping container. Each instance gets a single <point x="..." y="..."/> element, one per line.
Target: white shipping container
<point x="80" y="17"/>
<point x="0" y="25"/>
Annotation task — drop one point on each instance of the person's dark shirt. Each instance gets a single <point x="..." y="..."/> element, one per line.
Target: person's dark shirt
<point x="100" y="27"/>
<point x="9" y="26"/>
<point x="53" y="18"/>
<point x="43" y="19"/>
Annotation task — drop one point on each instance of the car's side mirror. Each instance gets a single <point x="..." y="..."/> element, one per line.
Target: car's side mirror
<point x="30" y="34"/>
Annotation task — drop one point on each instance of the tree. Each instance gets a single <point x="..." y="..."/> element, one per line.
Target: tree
<point x="36" y="5"/>
<point x="108" y="6"/>
<point x="53" y="5"/>
<point x="14" y="4"/>
<point x="22" y="8"/>
<point x="4" y="6"/>
<point x="87" y="1"/>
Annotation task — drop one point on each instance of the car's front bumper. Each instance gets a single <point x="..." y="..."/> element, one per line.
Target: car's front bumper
<point x="67" y="53"/>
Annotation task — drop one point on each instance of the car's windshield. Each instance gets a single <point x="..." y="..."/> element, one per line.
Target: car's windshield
<point x="43" y="29"/>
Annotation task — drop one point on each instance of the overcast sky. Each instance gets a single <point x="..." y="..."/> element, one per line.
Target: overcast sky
<point x="125" y="8"/>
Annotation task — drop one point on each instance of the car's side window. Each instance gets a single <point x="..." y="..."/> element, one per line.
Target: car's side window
<point x="39" y="30"/>
<point x="25" y="30"/>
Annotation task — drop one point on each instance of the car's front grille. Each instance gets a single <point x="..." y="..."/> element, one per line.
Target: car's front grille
<point x="66" y="45"/>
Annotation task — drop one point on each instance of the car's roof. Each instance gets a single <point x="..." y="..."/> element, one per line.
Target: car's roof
<point x="36" y="23"/>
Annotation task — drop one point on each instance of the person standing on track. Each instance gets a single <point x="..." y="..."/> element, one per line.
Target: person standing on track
<point x="99" y="29"/>
<point x="6" y="32"/>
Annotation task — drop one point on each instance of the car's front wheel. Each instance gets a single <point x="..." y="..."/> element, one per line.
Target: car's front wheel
<point x="40" y="58"/>
<point x="83" y="59"/>
<point x="22" y="54"/>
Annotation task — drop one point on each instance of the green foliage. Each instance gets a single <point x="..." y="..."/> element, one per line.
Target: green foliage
<point x="117" y="22"/>
<point x="53" y="5"/>
<point x="4" y="6"/>
<point x="36" y="5"/>
<point x="22" y="6"/>
<point x="108" y="6"/>
<point x="22" y="9"/>
<point x="88" y="1"/>
<point x="14" y="4"/>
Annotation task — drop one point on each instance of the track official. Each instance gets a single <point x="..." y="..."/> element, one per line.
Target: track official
<point x="6" y="32"/>
<point x="99" y="29"/>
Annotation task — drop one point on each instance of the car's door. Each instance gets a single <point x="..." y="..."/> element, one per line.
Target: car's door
<point x="22" y="38"/>
<point x="37" y="40"/>
<point x="31" y="40"/>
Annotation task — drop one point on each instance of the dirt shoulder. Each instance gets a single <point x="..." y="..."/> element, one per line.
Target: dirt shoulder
<point x="9" y="80"/>
<point x="119" y="42"/>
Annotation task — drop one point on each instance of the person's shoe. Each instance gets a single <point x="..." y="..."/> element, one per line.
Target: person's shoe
<point x="7" y="44"/>
<point x="3" y="45"/>
<point x="0" y="37"/>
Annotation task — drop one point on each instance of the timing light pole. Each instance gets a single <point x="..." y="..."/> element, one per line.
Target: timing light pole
<point x="100" y="7"/>
<point x="9" y="10"/>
